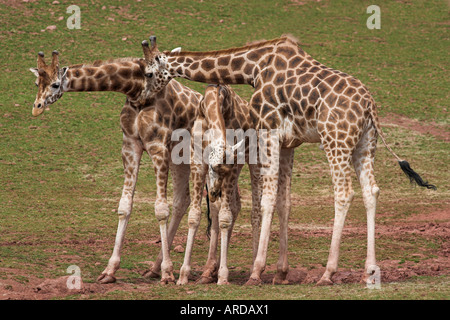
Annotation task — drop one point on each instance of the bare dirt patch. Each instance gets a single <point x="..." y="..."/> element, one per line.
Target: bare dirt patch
<point x="431" y="128"/>
<point x="20" y="285"/>
<point x="32" y="288"/>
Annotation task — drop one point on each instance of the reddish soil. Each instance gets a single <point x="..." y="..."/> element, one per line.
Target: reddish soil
<point x="432" y="128"/>
<point x="427" y="225"/>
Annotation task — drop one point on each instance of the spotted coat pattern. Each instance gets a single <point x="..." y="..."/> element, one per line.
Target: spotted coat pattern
<point x="305" y="101"/>
<point x="147" y="124"/>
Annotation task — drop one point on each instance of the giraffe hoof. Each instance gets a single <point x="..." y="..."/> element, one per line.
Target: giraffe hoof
<point x="204" y="280"/>
<point x="279" y="281"/>
<point x="364" y="279"/>
<point x="324" y="282"/>
<point x="280" y="278"/>
<point x="167" y="280"/>
<point x="182" y="281"/>
<point x="150" y="274"/>
<point x="106" y="278"/>
<point x="223" y="282"/>
<point x="253" y="282"/>
<point x="363" y="282"/>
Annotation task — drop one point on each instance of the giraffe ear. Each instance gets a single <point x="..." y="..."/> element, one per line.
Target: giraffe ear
<point x="229" y="152"/>
<point x="176" y="50"/>
<point x="35" y="71"/>
<point x="63" y="72"/>
<point x="237" y="145"/>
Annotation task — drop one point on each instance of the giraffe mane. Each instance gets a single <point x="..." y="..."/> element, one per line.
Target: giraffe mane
<point x="251" y="46"/>
<point x="99" y="63"/>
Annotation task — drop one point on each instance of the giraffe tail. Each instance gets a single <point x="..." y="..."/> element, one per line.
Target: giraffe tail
<point x="404" y="165"/>
<point x="208" y="214"/>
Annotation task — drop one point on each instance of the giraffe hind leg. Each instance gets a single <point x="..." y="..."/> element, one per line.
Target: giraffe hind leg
<point x="284" y="208"/>
<point x="363" y="161"/>
<point x="339" y="160"/>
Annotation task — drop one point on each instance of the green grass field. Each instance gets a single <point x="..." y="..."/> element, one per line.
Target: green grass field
<point x="61" y="174"/>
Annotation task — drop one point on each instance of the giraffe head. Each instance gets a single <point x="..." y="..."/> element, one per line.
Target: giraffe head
<point x="50" y="82"/>
<point x="219" y="168"/>
<point x="213" y="106"/>
<point x="156" y="66"/>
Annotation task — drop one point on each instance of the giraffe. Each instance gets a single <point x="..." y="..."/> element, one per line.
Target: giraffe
<point x="229" y="111"/>
<point x="299" y="100"/>
<point x="222" y="109"/>
<point x="210" y="119"/>
<point x="147" y="124"/>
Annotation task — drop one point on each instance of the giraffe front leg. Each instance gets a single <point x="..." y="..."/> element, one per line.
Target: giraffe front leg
<point x="193" y="223"/>
<point x="229" y="210"/>
<point x="161" y="159"/>
<point x="195" y="213"/>
<point x="284" y="209"/>
<point x="162" y="214"/>
<point x="131" y="157"/>
<point x="270" y="183"/>
<point x="181" y="198"/>
<point x="181" y="201"/>
<point x="269" y="174"/>
<point x="225" y="225"/>
<point x="209" y="274"/>
<point x="256" y="209"/>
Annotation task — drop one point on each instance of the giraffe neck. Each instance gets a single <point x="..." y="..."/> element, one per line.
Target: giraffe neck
<point x="217" y="70"/>
<point x="230" y="66"/>
<point x="126" y="77"/>
<point x="213" y="105"/>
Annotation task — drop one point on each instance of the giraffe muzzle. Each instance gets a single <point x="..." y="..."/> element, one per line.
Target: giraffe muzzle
<point x="38" y="109"/>
<point x="214" y="194"/>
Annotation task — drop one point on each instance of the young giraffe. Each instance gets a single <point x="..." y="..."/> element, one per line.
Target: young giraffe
<point x="226" y="110"/>
<point x="210" y="119"/>
<point x="299" y="100"/>
<point x="147" y="124"/>
<point x="222" y="109"/>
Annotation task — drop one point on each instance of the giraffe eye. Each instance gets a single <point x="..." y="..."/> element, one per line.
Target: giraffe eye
<point x="55" y="85"/>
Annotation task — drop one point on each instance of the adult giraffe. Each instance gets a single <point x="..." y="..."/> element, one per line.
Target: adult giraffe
<point x="299" y="100"/>
<point x="147" y="124"/>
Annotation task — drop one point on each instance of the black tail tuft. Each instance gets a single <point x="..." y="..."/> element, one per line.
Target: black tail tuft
<point x="208" y="215"/>
<point x="414" y="177"/>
